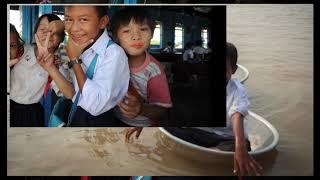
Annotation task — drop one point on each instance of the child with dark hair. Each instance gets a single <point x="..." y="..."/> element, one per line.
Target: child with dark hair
<point x="100" y="67"/>
<point x="169" y="48"/>
<point x="198" y="49"/>
<point x="149" y="98"/>
<point x="188" y="54"/>
<point x="233" y="137"/>
<point x="16" y="46"/>
<point x="28" y="79"/>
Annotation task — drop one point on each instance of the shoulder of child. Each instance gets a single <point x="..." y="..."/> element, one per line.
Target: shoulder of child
<point x="157" y="63"/>
<point x="238" y="86"/>
<point x="114" y="48"/>
<point x="114" y="52"/>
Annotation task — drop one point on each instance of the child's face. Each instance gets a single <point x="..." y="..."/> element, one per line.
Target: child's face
<point x="83" y="23"/>
<point x="54" y="40"/>
<point x="134" y="38"/>
<point x="13" y="45"/>
<point x="228" y="70"/>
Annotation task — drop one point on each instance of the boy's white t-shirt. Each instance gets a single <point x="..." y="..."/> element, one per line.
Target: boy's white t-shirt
<point x="187" y="55"/>
<point x="237" y="101"/>
<point x="199" y="50"/>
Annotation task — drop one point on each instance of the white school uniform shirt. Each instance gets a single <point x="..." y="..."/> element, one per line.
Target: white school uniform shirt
<point x="27" y="78"/>
<point x="110" y="79"/>
<point x="199" y="50"/>
<point x="237" y="101"/>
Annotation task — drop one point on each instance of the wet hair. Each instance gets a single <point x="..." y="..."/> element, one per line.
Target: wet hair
<point x="14" y="30"/>
<point x="124" y="16"/>
<point x="50" y="17"/>
<point x="232" y="55"/>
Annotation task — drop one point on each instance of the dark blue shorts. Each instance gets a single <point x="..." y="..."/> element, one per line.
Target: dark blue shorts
<point x="205" y="139"/>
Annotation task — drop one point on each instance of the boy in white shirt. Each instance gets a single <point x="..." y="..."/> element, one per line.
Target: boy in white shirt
<point x="89" y="40"/>
<point x="188" y="53"/>
<point x="233" y="137"/>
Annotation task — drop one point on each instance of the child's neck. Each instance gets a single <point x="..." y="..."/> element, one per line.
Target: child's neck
<point x="136" y="61"/>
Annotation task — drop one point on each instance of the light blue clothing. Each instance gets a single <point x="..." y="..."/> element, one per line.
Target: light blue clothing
<point x="110" y="80"/>
<point x="237" y="101"/>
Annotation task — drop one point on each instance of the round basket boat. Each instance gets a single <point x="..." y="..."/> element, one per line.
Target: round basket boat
<point x="242" y="74"/>
<point x="262" y="135"/>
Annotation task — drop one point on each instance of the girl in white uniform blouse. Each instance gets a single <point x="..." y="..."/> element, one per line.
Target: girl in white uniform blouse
<point x="28" y="78"/>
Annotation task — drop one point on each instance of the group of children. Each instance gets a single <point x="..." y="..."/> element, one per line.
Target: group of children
<point x="112" y="81"/>
<point x="194" y="53"/>
<point x="104" y="99"/>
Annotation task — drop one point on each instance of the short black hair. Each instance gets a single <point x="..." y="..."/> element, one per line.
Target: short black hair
<point x="188" y="45"/>
<point x="124" y="16"/>
<point x="14" y="30"/>
<point x="199" y="43"/>
<point x="232" y="55"/>
<point x="50" y="17"/>
<point x="102" y="11"/>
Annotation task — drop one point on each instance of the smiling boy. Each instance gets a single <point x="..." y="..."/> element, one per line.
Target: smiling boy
<point x="89" y="42"/>
<point x="133" y="29"/>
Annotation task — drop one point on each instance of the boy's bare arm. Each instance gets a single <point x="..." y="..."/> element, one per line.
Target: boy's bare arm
<point x="46" y="61"/>
<point x="64" y="85"/>
<point x="153" y="112"/>
<point x="238" y="130"/>
<point x="243" y="162"/>
<point x="133" y="106"/>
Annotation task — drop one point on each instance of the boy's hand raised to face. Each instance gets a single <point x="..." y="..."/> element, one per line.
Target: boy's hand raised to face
<point x="74" y="50"/>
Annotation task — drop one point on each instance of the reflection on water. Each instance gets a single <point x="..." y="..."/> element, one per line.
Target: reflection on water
<point x="275" y="45"/>
<point x="104" y="151"/>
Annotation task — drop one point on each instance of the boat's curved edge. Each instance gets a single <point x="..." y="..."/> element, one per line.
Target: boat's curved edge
<point x="273" y="130"/>
<point x="246" y="72"/>
<point x="228" y="153"/>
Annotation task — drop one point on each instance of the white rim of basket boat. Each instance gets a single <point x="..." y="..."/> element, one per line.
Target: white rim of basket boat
<point x="228" y="153"/>
<point x="246" y="72"/>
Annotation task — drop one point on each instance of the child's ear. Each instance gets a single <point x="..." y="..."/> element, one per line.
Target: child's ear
<point x="104" y="22"/>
